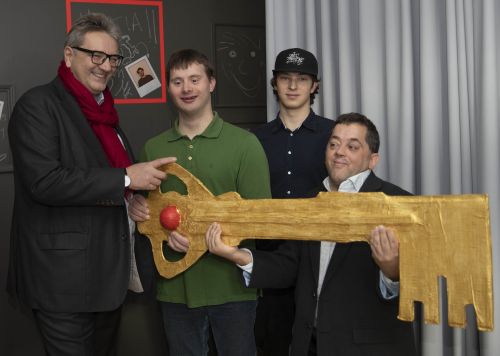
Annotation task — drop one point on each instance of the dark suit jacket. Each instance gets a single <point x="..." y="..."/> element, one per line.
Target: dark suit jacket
<point x="353" y="318"/>
<point x="70" y="249"/>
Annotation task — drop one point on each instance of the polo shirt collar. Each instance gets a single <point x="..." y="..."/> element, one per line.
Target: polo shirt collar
<point x="308" y="123"/>
<point x="212" y="131"/>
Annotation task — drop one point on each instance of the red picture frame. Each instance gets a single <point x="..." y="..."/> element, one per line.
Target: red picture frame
<point x="126" y="94"/>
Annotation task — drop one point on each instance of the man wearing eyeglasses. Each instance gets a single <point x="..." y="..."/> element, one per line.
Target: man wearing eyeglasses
<point x="72" y="256"/>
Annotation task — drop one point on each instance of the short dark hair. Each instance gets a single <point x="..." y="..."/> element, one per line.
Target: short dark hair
<point x="314" y="78"/>
<point x="93" y="22"/>
<point x="372" y="136"/>
<point x="184" y="58"/>
<point x="138" y="69"/>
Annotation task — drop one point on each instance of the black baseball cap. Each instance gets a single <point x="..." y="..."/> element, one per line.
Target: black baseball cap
<point x="296" y="60"/>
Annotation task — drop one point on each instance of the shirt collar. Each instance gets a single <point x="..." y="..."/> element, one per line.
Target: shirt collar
<point x="307" y="123"/>
<point x="212" y="131"/>
<point x="99" y="98"/>
<point x="350" y="185"/>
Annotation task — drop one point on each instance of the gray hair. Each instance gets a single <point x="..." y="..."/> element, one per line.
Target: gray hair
<point x="93" y="22"/>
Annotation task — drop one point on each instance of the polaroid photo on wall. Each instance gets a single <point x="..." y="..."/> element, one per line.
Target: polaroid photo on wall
<point x="143" y="76"/>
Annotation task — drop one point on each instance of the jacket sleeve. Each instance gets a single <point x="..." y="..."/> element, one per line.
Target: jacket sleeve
<point x="52" y="168"/>
<point x="276" y="269"/>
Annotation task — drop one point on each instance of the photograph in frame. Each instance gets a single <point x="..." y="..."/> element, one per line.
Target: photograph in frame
<point x="143" y="76"/>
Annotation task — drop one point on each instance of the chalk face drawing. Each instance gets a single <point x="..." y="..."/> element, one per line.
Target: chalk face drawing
<point x="142" y="37"/>
<point x="240" y="65"/>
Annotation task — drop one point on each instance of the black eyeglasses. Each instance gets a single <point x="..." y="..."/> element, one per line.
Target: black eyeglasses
<point x="99" y="57"/>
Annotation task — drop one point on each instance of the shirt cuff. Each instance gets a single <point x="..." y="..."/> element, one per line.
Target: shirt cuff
<point x="127" y="178"/>
<point x="247" y="269"/>
<point x="388" y="288"/>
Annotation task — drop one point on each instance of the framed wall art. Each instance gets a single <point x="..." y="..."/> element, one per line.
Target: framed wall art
<point x="240" y="66"/>
<point x="141" y="23"/>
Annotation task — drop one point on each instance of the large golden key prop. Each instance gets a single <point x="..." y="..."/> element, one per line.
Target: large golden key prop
<point x="445" y="236"/>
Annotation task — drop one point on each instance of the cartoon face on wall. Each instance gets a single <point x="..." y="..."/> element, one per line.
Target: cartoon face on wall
<point x="241" y="64"/>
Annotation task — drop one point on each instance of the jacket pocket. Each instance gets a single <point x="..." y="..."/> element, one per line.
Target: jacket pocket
<point x="63" y="241"/>
<point x="61" y="267"/>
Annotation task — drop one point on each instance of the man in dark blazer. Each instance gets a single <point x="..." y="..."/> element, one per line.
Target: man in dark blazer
<point x="71" y="251"/>
<point x="346" y="294"/>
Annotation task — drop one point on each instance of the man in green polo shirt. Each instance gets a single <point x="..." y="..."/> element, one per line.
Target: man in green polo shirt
<point x="225" y="158"/>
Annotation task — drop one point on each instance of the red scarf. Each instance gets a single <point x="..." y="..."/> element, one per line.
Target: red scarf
<point x="103" y="119"/>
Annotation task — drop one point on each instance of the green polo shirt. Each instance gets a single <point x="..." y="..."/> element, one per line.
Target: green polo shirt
<point x="225" y="158"/>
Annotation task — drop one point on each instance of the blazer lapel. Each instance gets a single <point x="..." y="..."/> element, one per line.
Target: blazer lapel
<point x="371" y="184"/>
<point x="126" y="144"/>
<point x="314" y="247"/>
<point x="73" y="111"/>
<point x="339" y="253"/>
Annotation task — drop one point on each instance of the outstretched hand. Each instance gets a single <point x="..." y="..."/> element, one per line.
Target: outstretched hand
<point x="385" y="251"/>
<point x="146" y="175"/>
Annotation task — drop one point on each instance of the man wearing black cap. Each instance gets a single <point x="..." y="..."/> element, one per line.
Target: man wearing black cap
<point x="295" y="144"/>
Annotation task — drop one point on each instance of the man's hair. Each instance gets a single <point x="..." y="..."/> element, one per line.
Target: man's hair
<point x="311" y="97"/>
<point x="372" y="137"/>
<point x="184" y="58"/>
<point x="93" y="22"/>
<point x="138" y="69"/>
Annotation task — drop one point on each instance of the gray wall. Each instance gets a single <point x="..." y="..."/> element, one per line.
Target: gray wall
<point x="31" y="38"/>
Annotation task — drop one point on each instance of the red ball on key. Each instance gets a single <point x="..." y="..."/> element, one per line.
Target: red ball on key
<point x="170" y="217"/>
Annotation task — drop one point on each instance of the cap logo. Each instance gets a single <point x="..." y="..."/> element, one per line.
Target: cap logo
<point x="294" y="58"/>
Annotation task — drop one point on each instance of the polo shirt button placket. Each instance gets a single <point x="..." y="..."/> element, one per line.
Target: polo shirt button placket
<point x="190" y="151"/>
